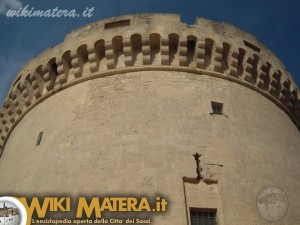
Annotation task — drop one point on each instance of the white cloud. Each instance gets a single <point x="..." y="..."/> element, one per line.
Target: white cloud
<point x="9" y="4"/>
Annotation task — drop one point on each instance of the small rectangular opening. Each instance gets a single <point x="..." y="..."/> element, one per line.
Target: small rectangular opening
<point x="39" y="140"/>
<point x="119" y="23"/>
<point x="54" y="68"/>
<point x="217" y="108"/>
<point x="252" y="46"/>
<point x="191" y="44"/>
<point x="203" y="216"/>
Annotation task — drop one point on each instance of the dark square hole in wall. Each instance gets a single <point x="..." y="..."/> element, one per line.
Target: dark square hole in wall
<point x="217" y="108"/>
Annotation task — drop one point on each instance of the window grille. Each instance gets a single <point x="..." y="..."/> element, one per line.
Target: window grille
<point x="203" y="217"/>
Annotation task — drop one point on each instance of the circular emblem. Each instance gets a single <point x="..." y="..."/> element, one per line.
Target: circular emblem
<point x="12" y="211"/>
<point x="272" y="204"/>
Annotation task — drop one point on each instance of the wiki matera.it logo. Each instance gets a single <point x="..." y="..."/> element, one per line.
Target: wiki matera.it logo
<point x="12" y="212"/>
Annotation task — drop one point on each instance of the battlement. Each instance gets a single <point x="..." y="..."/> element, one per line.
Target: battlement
<point x="146" y="42"/>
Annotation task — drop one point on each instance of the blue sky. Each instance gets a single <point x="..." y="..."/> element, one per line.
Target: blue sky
<point x="275" y="23"/>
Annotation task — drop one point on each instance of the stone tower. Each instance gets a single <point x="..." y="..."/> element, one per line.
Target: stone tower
<point x="121" y="106"/>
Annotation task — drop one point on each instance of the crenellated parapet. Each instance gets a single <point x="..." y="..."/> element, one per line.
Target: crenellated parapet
<point x="150" y="42"/>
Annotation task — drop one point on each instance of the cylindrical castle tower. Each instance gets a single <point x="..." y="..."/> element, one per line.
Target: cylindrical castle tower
<point x="121" y="106"/>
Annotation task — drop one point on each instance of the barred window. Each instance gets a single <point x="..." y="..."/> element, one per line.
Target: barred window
<point x="217" y="108"/>
<point x="203" y="217"/>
